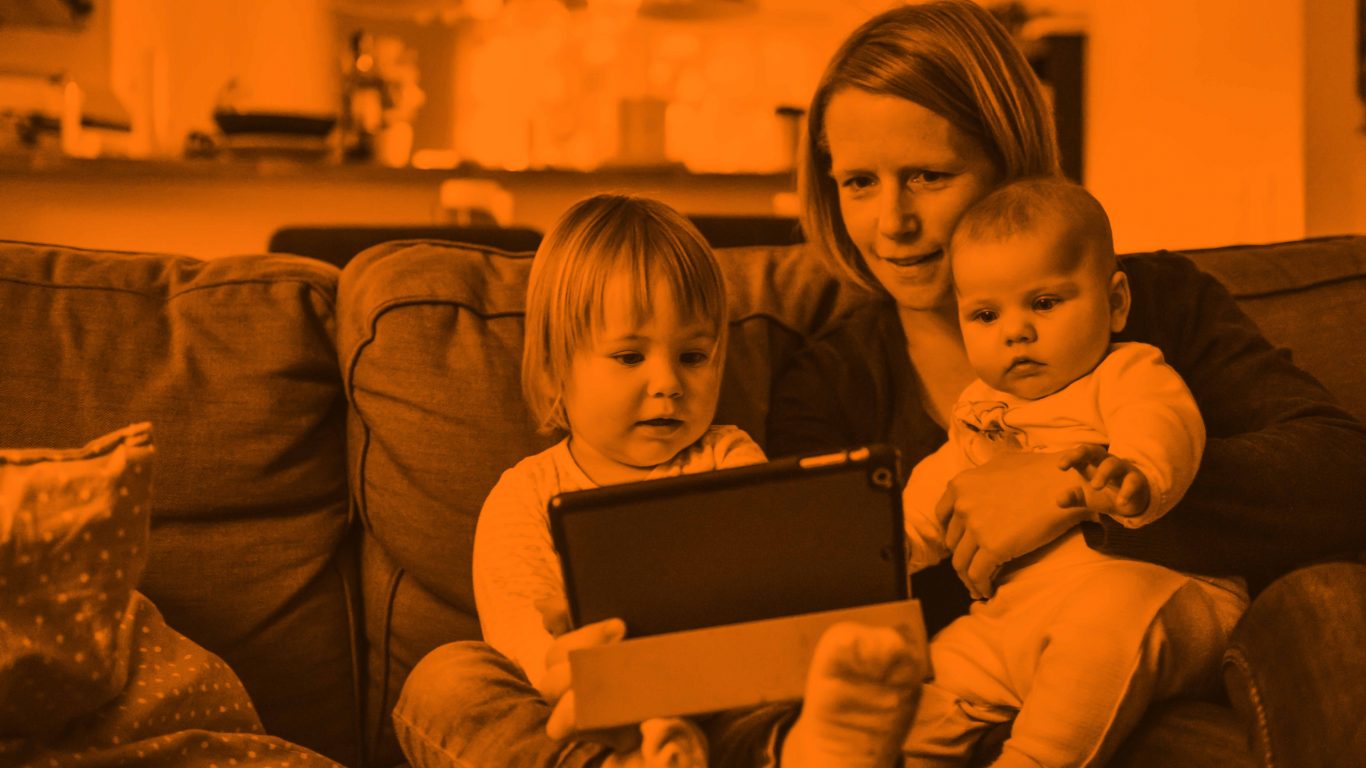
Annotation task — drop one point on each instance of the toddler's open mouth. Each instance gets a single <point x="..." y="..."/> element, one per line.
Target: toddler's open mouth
<point x="661" y="422"/>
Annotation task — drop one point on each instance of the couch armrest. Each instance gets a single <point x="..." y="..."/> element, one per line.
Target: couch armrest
<point x="1296" y="666"/>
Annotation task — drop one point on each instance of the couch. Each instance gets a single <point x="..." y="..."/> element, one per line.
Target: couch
<point x="325" y="439"/>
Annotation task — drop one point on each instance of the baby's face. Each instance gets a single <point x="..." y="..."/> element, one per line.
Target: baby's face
<point x="1036" y="308"/>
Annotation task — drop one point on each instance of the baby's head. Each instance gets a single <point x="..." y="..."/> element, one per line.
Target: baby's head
<point x="625" y="332"/>
<point x="1038" y="287"/>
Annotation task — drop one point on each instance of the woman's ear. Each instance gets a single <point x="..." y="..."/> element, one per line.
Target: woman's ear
<point x="1119" y="301"/>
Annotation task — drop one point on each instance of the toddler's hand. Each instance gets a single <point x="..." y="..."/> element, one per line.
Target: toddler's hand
<point x="1116" y="486"/>
<point x="555" y="685"/>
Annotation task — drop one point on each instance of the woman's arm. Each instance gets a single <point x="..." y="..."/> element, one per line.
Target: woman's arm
<point x="1284" y="469"/>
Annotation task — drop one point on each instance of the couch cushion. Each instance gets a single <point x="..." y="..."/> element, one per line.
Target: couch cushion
<point x="1307" y="296"/>
<point x="430" y="343"/>
<point x="233" y="362"/>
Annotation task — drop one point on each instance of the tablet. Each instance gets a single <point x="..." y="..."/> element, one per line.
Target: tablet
<point x="788" y="537"/>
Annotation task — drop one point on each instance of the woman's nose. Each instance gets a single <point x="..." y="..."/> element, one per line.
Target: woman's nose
<point x="897" y="217"/>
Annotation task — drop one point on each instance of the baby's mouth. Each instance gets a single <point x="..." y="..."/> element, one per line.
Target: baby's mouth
<point x="1024" y="365"/>
<point x="661" y="422"/>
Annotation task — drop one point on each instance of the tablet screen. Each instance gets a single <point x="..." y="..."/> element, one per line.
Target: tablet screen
<point x="788" y="537"/>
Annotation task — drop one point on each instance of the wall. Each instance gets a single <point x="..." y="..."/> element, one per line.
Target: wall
<point x="1335" y="129"/>
<point x="1196" y="121"/>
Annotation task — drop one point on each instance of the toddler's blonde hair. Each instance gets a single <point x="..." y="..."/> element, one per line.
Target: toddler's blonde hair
<point x="595" y="240"/>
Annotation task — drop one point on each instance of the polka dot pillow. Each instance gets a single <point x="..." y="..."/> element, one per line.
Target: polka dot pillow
<point x="90" y="674"/>
<point x="73" y="540"/>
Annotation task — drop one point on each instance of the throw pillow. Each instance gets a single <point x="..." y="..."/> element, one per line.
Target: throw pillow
<point x="73" y="543"/>
<point x="90" y="674"/>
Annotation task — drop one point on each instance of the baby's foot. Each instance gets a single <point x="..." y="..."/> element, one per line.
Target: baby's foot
<point x="665" y="742"/>
<point x="861" y="694"/>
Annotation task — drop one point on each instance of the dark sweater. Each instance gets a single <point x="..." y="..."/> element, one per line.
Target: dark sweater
<point x="1281" y="483"/>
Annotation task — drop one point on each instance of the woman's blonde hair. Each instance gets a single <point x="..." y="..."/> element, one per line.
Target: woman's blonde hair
<point x="595" y="240"/>
<point x="951" y="57"/>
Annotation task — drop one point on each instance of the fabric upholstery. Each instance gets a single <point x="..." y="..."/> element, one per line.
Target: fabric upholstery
<point x="233" y="362"/>
<point x="430" y="346"/>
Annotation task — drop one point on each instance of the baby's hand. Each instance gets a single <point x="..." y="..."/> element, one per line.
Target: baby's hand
<point x="1116" y="487"/>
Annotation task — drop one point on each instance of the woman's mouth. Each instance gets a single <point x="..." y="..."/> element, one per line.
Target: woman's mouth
<point x="912" y="260"/>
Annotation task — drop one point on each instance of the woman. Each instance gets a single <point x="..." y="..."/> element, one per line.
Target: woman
<point x="921" y="112"/>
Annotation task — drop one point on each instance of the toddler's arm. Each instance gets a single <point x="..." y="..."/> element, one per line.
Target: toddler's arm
<point x="1154" y="426"/>
<point x="516" y="571"/>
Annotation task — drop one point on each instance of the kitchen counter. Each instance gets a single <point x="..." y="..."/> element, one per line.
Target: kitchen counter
<point x="214" y="207"/>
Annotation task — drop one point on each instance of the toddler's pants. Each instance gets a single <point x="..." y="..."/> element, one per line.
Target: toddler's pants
<point x="1074" y="655"/>
<point x="467" y="706"/>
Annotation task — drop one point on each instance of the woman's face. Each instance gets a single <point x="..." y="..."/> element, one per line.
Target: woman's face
<point x="905" y="175"/>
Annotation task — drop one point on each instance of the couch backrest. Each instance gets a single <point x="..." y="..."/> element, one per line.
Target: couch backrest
<point x="430" y="343"/>
<point x="233" y="363"/>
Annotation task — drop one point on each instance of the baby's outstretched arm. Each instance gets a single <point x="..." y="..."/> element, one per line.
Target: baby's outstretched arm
<point x="1114" y="486"/>
<point x="861" y="693"/>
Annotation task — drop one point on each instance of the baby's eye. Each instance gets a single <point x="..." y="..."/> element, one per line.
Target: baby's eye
<point x="984" y="316"/>
<point x="629" y="358"/>
<point x="1045" y="303"/>
<point x="694" y="358"/>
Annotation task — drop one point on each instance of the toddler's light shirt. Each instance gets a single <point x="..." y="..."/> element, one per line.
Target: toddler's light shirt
<point x="515" y="563"/>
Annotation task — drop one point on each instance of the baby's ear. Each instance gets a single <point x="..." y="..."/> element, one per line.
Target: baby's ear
<point x="1119" y="301"/>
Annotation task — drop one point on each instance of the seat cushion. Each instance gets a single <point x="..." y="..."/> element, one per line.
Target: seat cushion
<point x="430" y="345"/>
<point x="233" y="363"/>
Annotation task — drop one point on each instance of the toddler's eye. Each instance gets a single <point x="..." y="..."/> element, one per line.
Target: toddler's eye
<point x="694" y="358"/>
<point x="1045" y="303"/>
<point x="629" y="358"/>
<point x="984" y="316"/>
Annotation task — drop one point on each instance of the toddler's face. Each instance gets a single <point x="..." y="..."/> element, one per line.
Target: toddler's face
<point x="640" y="392"/>
<point x="1037" y="308"/>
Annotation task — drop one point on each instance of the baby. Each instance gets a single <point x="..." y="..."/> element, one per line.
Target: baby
<point x="626" y="330"/>
<point x="1074" y="644"/>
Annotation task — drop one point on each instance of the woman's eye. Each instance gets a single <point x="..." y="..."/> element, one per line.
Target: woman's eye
<point x="929" y="177"/>
<point x="856" y="183"/>
<point x="629" y="358"/>
<point x="1045" y="303"/>
<point x="694" y="358"/>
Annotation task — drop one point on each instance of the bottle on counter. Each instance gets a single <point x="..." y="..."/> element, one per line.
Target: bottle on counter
<point x="362" y="108"/>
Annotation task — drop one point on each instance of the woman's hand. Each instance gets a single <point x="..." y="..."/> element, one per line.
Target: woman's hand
<point x="1006" y="508"/>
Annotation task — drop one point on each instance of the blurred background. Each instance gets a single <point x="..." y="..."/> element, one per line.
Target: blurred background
<point x="226" y="126"/>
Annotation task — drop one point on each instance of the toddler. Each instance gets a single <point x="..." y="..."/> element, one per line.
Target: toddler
<point x="625" y="338"/>
<point x="1074" y="644"/>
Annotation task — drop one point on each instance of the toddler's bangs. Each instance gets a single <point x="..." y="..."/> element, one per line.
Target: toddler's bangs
<point x="652" y="248"/>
